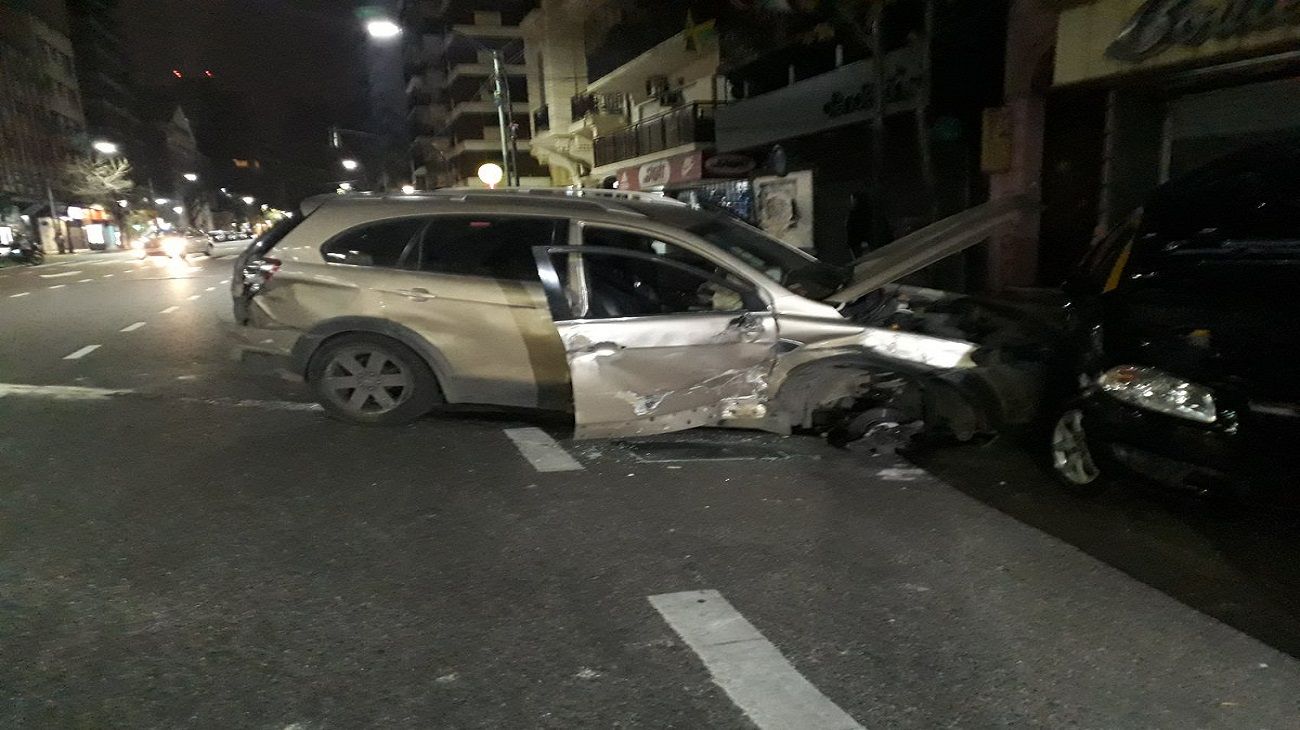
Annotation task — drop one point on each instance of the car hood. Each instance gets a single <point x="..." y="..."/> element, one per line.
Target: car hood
<point x="929" y="245"/>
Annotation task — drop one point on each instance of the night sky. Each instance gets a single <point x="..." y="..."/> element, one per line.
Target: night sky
<point x="283" y="70"/>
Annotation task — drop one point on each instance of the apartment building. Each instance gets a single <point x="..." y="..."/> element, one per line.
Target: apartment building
<point x="622" y="98"/>
<point x="448" y="57"/>
<point x="42" y="127"/>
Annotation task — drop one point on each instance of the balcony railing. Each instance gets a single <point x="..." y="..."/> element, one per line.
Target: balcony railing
<point x="683" y="125"/>
<point x="614" y="105"/>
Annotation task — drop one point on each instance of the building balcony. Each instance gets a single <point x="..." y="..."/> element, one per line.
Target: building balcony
<point x="477" y="30"/>
<point x="466" y="108"/>
<point x="584" y="106"/>
<point x="674" y="128"/>
<point x="482" y="69"/>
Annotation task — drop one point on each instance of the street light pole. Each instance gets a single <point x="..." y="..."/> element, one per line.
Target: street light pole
<point x="500" y="95"/>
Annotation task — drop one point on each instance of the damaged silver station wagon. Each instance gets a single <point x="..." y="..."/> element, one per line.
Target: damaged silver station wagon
<point x="638" y="313"/>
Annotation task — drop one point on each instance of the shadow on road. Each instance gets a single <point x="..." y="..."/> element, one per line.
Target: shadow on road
<point x="1237" y="565"/>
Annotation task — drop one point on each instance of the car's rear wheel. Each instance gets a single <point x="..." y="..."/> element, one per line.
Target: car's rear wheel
<point x="1072" y="460"/>
<point x="372" y="379"/>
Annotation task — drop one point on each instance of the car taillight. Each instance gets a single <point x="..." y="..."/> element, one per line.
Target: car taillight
<point x="258" y="272"/>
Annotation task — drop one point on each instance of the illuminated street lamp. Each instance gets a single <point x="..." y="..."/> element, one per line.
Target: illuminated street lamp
<point x="345" y="186"/>
<point x="248" y="200"/>
<point x="104" y="147"/>
<point x="161" y="201"/>
<point x="349" y="164"/>
<point x="178" y="209"/>
<point x="383" y="29"/>
<point x="490" y="173"/>
<point x="408" y="189"/>
<point x="191" y="177"/>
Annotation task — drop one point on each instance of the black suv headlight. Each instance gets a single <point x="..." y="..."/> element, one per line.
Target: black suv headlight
<point x="1156" y="390"/>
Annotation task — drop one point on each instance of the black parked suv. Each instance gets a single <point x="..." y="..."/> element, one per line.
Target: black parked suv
<point x="1190" y="323"/>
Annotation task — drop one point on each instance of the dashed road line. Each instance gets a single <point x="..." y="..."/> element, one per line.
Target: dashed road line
<point x="83" y="281"/>
<point x="55" y="276"/>
<point x="108" y="276"/>
<point x="225" y="282"/>
<point x="133" y="327"/>
<point x="170" y="309"/>
<point x="541" y="451"/>
<point x="19" y="294"/>
<point x="81" y="353"/>
<point x="58" y="286"/>
<point x="211" y="288"/>
<point x="58" y="392"/>
<point x="192" y="297"/>
<point x="748" y="667"/>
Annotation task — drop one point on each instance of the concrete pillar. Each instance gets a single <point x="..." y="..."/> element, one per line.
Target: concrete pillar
<point x="1031" y="37"/>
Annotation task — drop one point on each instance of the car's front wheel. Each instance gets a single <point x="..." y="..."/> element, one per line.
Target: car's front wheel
<point x="1072" y="460"/>
<point x="372" y="379"/>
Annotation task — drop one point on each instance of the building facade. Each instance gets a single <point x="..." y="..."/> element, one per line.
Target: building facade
<point x="42" y="126"/>
<point x="448" y="64"/>
<point x="1110" y="98"/>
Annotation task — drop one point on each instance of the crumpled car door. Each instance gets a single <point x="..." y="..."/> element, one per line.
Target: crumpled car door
<point x="640" y="365"/>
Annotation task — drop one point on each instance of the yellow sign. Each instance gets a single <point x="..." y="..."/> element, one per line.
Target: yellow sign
<point x="1111" y="37"/>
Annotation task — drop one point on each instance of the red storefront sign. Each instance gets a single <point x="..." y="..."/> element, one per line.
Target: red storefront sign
<point x="681" y="168"/>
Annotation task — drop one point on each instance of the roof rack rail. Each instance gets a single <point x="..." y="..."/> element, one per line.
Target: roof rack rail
<point x="606" y="193"/>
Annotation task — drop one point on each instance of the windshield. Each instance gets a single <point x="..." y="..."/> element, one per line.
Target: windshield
<point x="800" y="272"/>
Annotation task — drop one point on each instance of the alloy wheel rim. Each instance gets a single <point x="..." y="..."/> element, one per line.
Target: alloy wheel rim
<point x="367" y="381"/>
<point x="1070" y="454"/>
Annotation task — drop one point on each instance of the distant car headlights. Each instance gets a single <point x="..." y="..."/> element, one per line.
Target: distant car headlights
<point x="1156" y="390"/>
<point x="173" y="246"/>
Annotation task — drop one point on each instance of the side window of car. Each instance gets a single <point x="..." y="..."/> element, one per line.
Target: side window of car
<point x="383" y="243"/>
<point x="626" y="285"/>
<point x="641" y="243"/>
<point x="500" y="247"/>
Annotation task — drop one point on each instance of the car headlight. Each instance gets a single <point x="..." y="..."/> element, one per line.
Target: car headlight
<point x="174" y="246"/>
<point x="1156" y="390"/>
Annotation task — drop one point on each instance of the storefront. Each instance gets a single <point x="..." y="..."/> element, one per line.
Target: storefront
<point x="1171" y="84"/>
<point x="821" y="128"/>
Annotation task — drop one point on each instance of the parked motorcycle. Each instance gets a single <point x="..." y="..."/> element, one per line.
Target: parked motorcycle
<point x="22" y="251"/>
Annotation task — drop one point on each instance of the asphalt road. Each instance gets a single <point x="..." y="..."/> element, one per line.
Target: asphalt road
<point x="200" y="548"/>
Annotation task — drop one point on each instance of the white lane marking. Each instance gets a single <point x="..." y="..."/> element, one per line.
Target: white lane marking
<point x="225" y="282"/>
<point x="132" y="327"/>
<point x="20" y="294"/>
<point x="895" y="474"/>
<point x="58" y="286"/>
<point x="83" y="281"/>
<point x="193" y="297"/>
<point x="541" y="450"/>
<point x="753" y="673"/>
<point x="55" y="276"/>
<point x="270" y="405"/>
<point x="169" y="310"/>
<point x="211" y="288"/>
<point x="108" y="276"/>
<point x="59" y="392"/>
<point x="81" y="353"/>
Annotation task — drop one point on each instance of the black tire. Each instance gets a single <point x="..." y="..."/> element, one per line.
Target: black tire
<point x="208" y="251"/>
<point x="1070" y="457"/>
<point x="372" y="379"/>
